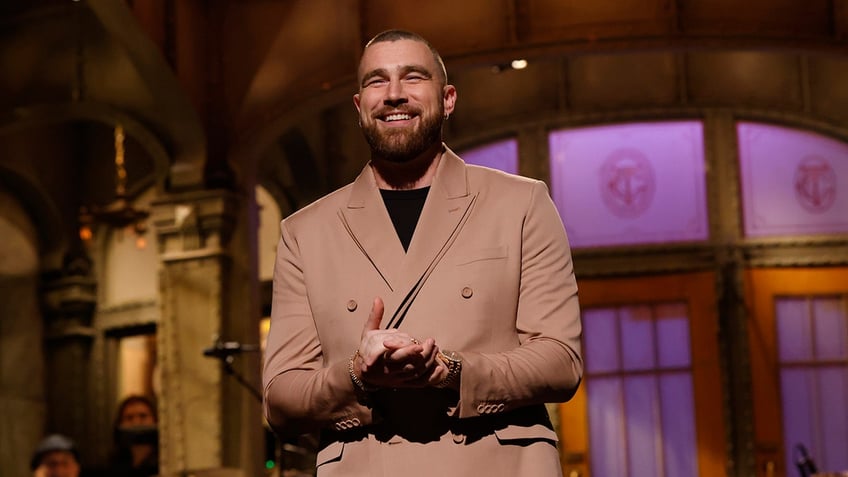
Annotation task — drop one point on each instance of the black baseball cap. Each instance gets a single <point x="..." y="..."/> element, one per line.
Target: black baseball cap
<point x="53" y="443"/>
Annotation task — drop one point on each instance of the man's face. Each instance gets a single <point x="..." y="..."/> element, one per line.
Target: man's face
<point x="58" y="464"/>
<point x="402" y="100"/>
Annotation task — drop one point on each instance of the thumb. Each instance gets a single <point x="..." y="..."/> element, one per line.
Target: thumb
<point x="374" y="318"/>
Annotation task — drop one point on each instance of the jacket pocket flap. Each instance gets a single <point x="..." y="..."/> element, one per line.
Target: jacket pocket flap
<point x="531" y="433"/>
<point x="331" y="453"/>
<point x="488" y="253"/>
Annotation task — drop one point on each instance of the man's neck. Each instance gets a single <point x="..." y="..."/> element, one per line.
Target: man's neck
<point x="413" y="174"/>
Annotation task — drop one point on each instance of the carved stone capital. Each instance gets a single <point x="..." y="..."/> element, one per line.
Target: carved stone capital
<point x="194" y="224"/>
<point x="69" y="303"/>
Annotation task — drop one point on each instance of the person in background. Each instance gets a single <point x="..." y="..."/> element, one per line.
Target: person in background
<point x="136" y="451"/>
<point x="55" y="456"/>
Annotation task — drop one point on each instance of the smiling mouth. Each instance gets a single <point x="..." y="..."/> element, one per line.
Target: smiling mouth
<point x="396" y="117"/>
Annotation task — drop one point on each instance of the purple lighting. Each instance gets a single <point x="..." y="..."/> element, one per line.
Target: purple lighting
<point x="501" y="155"/>
<point x="793" y="182"/>
<point x="631" y="183"/>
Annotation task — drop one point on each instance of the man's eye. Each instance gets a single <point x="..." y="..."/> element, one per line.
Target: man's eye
<point x="375" y="82"/>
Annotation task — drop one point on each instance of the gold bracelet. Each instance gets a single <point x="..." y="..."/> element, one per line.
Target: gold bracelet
<point x="454" y="364"/>
<point x="359" y="383"/>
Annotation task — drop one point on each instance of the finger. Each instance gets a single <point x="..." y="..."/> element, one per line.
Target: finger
<point x="399" y="340"/>
<point x="375" y="317"/>
<point x="410" y="353"/>
<point x="428" y="348"/>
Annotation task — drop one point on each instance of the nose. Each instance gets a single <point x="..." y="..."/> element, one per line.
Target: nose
<point x="395" y="94"/>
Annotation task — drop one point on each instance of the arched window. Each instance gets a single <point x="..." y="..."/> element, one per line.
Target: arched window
<point x="793" y="182"/>
<point x="630" y="184"/>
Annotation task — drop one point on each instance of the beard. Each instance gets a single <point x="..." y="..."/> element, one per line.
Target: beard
<point x="402" y="145"/>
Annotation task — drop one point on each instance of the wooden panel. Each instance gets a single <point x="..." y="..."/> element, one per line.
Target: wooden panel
<point x="744" y="78"/>
<point x="698" y="291"/>
<point x="763" y="286"/>
<point x="828" y="88"/>
<point x="756" y="17"/>
<point x="453" y="27"/>
<point x="487" y="97"/>
<point x="613" y="81"/>
<point x="558" y="20"/>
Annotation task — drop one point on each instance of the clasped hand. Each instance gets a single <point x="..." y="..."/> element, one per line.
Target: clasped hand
<point x="394" y="359"/>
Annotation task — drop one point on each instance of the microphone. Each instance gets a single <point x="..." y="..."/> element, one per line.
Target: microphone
<point x="805" y="464"/>
<point x="226" y="349"/>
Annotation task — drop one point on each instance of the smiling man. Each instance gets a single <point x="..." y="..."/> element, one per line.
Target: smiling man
<point x="423" y="314"/>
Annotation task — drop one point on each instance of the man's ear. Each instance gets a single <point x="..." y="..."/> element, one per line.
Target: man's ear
<point x="449" y="98"/>
<point x="356" y="101"/>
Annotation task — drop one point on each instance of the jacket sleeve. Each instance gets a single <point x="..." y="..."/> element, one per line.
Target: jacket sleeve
<point x="301" y="394"/>
<point x="547" y="365"/>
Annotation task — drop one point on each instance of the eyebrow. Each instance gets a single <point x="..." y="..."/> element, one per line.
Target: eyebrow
<point x="406" y="69"/>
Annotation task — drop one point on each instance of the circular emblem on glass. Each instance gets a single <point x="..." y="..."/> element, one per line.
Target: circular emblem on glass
<point x="815" y="184"/>
<point x="627" y="183"/>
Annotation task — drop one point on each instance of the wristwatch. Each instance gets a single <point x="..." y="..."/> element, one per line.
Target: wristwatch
<point x="454" y="364"/>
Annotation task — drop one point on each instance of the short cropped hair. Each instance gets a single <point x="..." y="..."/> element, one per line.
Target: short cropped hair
<point x="395" y="35"/>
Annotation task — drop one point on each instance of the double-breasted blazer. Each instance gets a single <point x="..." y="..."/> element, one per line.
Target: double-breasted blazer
<point x="488" y="274"/>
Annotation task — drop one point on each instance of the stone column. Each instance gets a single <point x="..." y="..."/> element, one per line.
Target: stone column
<point x="208" y="291"/>
<point x="69" y="302"/>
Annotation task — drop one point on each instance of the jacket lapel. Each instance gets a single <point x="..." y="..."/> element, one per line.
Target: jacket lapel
<point x="369" y="224"/>
<point x="440" y="221"/>
<point x="366" y="219"/>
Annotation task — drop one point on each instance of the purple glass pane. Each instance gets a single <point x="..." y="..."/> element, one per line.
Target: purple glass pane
<point x="630" y="183"/>
<point x="797" y="386"/>
<point x="794" y="342"/>
<point x="607" y="447"/>
<point x="678" y="424"/>
<point x="830" y="328"/>
<point x="501" y="155"/>
<point x="793" y="182"/>
<point x="637" y="338"/>
<point x="600" y="338"/>
<point x="644" y="441"/>
<point x="673" y="335"/>
<point x="833" y="396"/>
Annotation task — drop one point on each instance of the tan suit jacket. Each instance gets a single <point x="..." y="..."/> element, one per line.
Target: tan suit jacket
<point x="495" y="283"/>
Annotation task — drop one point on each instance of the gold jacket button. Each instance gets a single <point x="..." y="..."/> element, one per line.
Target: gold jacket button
<point x="351" y="305"/>
<point x="458" y="438"/>
<point x="467" y="292"/>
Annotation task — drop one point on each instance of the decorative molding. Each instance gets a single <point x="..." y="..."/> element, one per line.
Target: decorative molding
<point x="652" y="259"/>
<point x="194" y="225"/>
<point x="126" y="316"/>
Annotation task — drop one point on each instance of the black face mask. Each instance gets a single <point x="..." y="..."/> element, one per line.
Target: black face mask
<point x="135" y="435"/>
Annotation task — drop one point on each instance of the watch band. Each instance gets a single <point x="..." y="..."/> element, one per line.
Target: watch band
<point x="454" y="364"/>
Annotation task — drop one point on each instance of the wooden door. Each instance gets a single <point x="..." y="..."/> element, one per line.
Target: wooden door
<point x="798" y="335"/>
<point x="651" y="401"/>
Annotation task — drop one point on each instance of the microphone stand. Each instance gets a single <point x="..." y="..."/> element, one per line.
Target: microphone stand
<point x="226" y="352"/>
<point x="806" y="465"/>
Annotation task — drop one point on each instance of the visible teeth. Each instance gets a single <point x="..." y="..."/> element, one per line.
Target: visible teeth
<point x="398" y="117"/>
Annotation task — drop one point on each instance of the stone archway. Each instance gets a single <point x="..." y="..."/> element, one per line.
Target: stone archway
<point x="22" y="368"/>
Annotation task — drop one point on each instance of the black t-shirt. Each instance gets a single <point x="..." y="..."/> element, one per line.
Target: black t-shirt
<point x="404" y="208"/>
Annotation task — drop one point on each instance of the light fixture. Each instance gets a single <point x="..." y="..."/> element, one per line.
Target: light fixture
<point x="518" y="64"/>
<point x="120" y="214"/>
